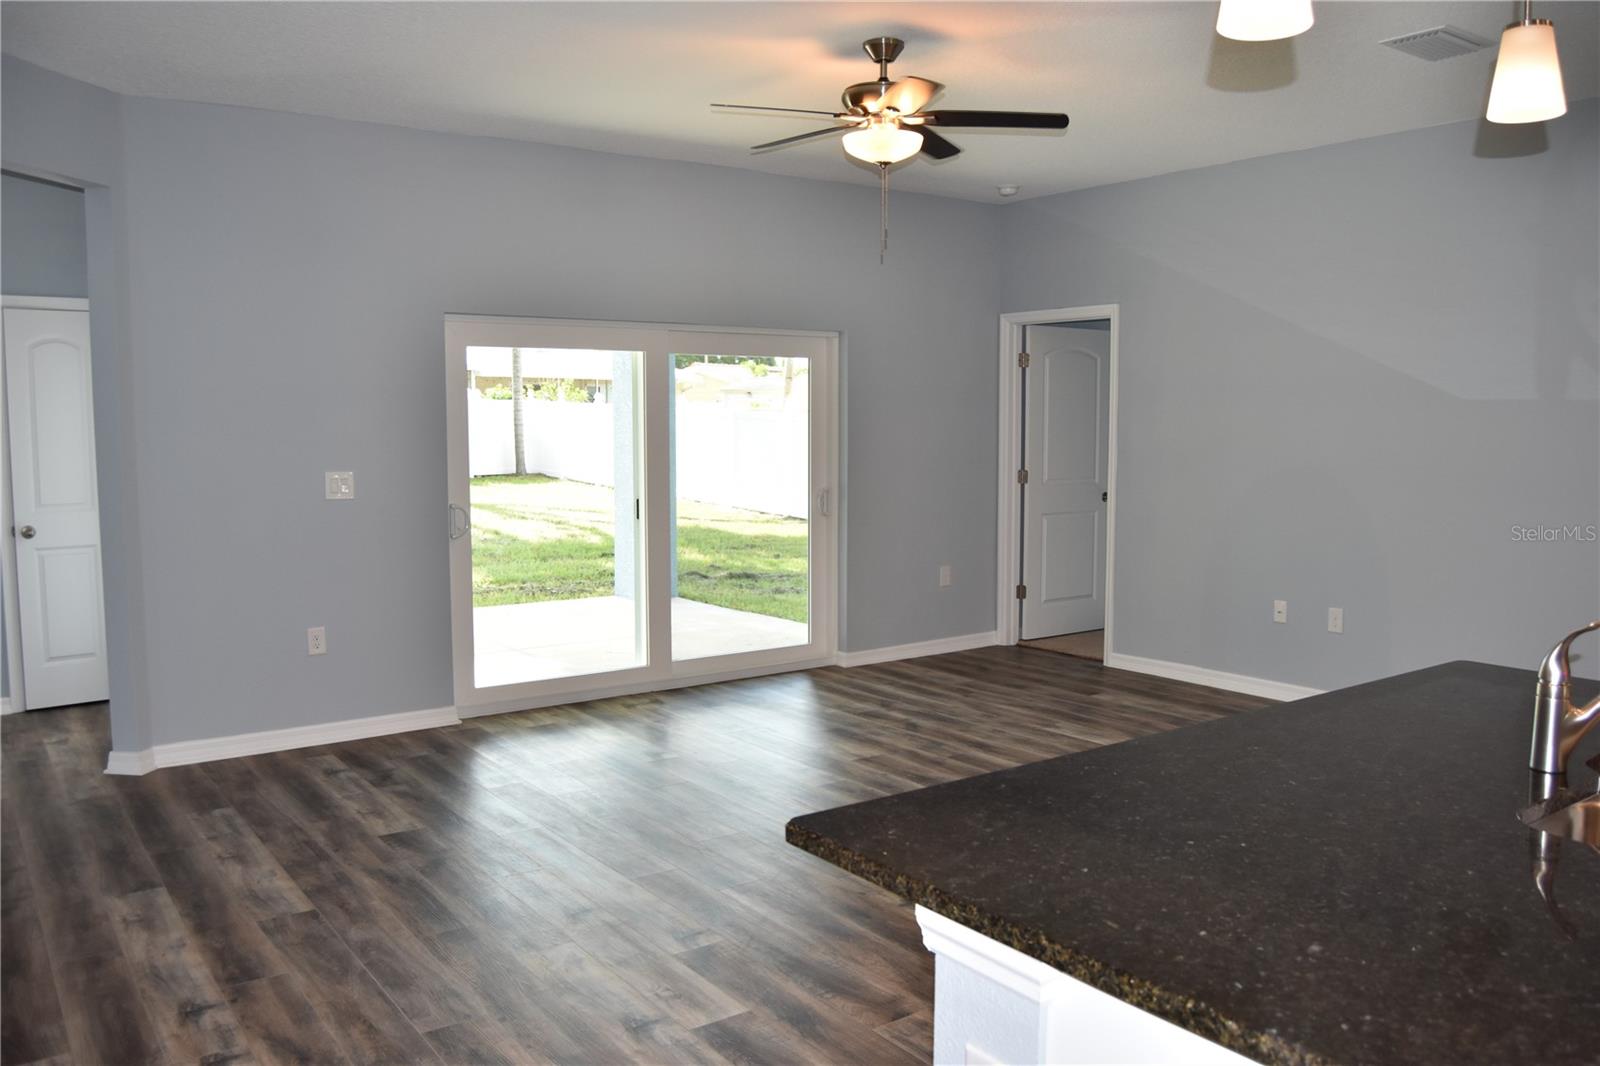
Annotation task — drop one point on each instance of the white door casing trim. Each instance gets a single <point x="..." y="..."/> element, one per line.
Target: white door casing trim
<point x="46" y="303"/>
<point x="1008" y="517"/>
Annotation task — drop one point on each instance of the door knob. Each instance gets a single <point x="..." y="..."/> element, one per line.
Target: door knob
<point x="27" y="532"/>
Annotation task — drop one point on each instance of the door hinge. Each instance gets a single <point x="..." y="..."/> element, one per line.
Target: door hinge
<point x="1022" y="592"/>
<point x="636" y="509"/>
<point x="1022" y="477"/>
<point x="1023" y="359"/>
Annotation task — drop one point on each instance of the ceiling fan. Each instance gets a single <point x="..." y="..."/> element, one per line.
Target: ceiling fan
<point x="883" y="121"/>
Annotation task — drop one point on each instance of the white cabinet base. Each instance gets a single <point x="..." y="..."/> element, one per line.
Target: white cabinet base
<point x="994" y="1006"/>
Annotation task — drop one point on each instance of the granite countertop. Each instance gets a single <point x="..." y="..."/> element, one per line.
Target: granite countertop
<point x="1340" y="879"/>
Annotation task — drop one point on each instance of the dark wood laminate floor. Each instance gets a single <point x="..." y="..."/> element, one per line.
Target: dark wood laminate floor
<point x="599" y="883"/>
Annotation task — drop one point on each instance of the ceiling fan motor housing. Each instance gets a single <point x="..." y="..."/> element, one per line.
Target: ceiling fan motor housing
<point x="883" y="50"/>
<point x="860" y="97"/>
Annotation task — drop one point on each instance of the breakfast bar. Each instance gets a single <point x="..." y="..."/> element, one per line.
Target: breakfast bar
<point x="1345" y="878"/>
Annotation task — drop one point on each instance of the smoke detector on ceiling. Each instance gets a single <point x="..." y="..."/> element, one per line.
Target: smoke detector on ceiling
<point x="1441" y="42"/>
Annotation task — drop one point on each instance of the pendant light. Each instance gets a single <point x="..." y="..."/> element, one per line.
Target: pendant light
<point x="1527" y="75"/>
<point x="1263" y="20"/>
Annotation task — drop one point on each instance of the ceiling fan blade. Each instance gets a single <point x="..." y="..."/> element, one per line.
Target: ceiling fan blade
<point x="908" y="94"/>
<point x="797" y="138"/>
<point x="791" y="110"/>
<point x="1013" y="120"/>
<point x="935" y="146"/>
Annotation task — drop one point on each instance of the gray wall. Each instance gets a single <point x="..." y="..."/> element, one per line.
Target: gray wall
<point x="42" y="249"/>
<point x="290" y="277"/>
<point x="1346" y="374"/>
<point x="1425" y="378"/>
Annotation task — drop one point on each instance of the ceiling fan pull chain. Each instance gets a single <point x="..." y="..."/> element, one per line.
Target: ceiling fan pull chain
<point x="883" y="184"/>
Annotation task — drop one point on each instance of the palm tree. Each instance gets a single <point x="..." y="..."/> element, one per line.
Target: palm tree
<point x="516" y="408"/>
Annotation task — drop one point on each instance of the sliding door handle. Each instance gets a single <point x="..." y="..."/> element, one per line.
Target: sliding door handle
<point x="460" y="523"/>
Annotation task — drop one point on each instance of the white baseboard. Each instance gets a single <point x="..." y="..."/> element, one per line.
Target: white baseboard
<point x="192" y="751"/>
<point x="1200" y="675"/>
<point x="942" y="646"/>
<point x="7" y="707"/>
<point x="131" y="763"/>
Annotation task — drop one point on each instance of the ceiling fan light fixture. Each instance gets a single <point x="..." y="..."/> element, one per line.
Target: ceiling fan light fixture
<point x="1527" y="84"/>
<point x="1263" y="20"/>
<point x="883" y="141"/>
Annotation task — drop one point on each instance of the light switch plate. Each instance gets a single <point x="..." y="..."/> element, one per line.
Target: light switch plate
<point x="340" y="484"/>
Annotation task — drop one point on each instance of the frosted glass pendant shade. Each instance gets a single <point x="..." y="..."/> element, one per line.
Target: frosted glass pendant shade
<point x="883" y="141"/>
<point x="1263" y="20"/>
<point x="1527" y="76"/>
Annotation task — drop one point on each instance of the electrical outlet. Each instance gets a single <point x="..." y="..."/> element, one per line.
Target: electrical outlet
<point x="944" y="576"/>
<point x="1280" y="610"/>
<point x="316" y="641"/>
<point x="1335" y="619"/>
<point x="339" y="484"/>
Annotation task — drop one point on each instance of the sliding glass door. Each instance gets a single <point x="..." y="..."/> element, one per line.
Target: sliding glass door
<point x="553" y="458"/>
<point x="632" y="506"/>
<point x="741" y="495"/>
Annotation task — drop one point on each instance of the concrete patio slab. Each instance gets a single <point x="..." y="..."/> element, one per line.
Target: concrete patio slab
<point x="523" y="642"/>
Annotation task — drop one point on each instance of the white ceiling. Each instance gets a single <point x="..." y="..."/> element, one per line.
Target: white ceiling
<point x="1149" y="86"/>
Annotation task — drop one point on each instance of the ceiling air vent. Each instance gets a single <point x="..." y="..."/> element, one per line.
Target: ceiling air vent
<point x="1441" y="42"/>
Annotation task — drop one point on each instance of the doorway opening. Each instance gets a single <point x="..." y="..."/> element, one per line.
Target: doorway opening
<point x="1057" y="499"/>
<point x="635" y="507"/>
<point x="53" y="640"/>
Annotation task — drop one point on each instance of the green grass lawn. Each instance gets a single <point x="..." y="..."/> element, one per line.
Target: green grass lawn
<point x="540" y="538"/>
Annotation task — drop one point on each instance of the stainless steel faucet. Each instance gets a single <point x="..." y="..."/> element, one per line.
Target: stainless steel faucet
<point x="1558" y="723"/>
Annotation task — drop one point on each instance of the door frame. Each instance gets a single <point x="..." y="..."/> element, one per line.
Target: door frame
<point x="10" y="606"/>
<point x="655" y="504"/>
<point x="1008" y="513"/>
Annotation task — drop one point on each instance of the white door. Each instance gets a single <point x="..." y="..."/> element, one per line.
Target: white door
<point x="55" y="509"/>
<point x="1067" y="402"/>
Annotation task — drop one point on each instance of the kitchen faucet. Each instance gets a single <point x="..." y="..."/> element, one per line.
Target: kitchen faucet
<point x="1558" y="723"/>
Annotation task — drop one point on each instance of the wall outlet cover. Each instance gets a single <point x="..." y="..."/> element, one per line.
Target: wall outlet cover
<point x="317" y="641"/>
<point x="339" y="484"/>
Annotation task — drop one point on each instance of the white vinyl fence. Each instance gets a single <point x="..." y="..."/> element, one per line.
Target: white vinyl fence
<point x="726" y="454"/>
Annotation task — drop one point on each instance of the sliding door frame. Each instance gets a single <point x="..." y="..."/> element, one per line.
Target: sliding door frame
<point x="658" y="341"/>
